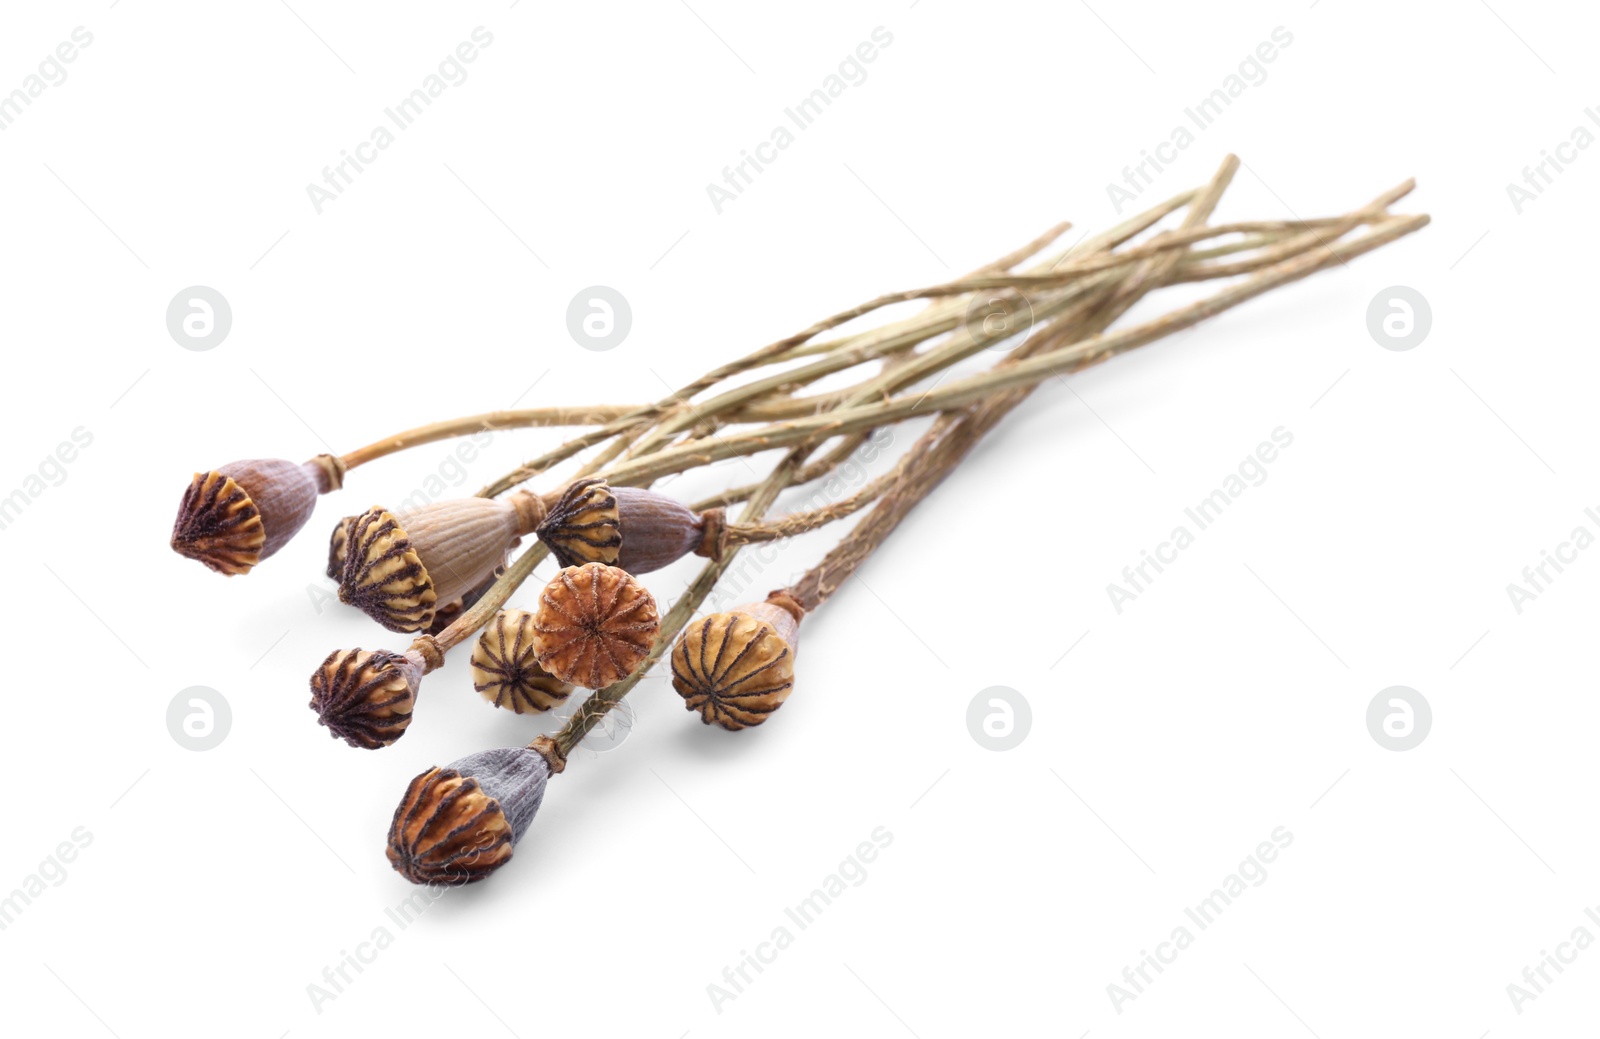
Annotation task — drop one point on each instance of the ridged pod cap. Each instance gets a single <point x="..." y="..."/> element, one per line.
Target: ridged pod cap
<point x="736" y="668"/>
<point x="233" y="517"/>
<point x="594" y="625"/>
<point x="365" y="697"/>
<point x="582" y="526"/>
<point x="338" y="544"/>
<point x="398" y="569"/>
<point x="505" y="668"/>
<point x="459" y="823"/>
<point x="630" y="527"/>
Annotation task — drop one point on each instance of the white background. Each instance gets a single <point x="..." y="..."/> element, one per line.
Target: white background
<point x="1228" y="700"/>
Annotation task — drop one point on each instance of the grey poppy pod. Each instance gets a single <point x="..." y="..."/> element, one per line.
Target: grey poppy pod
<point x="234" y="516"/>
<point x="458" y="824"/>
<point x="400" y="569"/>
<point x="632" y="528"/>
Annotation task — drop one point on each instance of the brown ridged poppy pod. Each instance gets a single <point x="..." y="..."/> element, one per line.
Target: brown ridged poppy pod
<point x="234" y="516"/>
<point x="338" y="545"/>
<point x="505" y="666"/>
<point x="736" y="668"/>
<point x="399" y="570"/>
<point x="339" y="542"/>
<point x="458" y="824"/>
<point x="366" y="697"/>
<point x="628" y="527"/>
<point x="594" y="625"/>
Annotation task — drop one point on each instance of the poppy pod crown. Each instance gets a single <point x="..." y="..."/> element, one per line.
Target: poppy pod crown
<point x="234" y="516"/>
<point x="399" y="569"/>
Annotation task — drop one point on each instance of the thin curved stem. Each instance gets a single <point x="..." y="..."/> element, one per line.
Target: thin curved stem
<point x="469" y="424"/>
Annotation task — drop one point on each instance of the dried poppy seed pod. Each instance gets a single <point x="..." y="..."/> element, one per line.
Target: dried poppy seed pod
<point x="458" y="824"/>
<point x="505" y="667"/>
<point x="594" y="625"/>
<point x="365" y="698"/>
<point x="737" y="667"/>
<point x="399" y="569"/>
<point x="629" y="527"/>
<point x="233" y="517"/>
<point x="338" y="545"/>
<point x="443" y="615"/>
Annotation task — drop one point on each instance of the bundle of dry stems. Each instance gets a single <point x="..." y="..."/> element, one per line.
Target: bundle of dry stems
<point x="444" y="571"/>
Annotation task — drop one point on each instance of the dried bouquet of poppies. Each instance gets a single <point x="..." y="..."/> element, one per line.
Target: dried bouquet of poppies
<point x="446" y="573"/>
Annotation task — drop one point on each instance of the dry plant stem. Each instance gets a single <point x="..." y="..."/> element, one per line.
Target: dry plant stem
<point x="954" y="434"/>
<point x="867" y="346"/>
<point x="929" y="467"/>
<point x="805" y="406"/>
<point x="1059" y="361"/>
<point x="637" y="420"/>
<point x="490" y="603"/>
<point x="816" y="470"/>
<point x="964" y="391"/>
<point x="890" y="335"/>
<point x="795" y="407"/>
<point x="1046" y="305"/>
<point x="632" y="423"/>
<point x="1298" y="244"/>
<point x="937" y="320"/>
<point x="469" y="424"/>
<point x="848" y="351"/>
<point x="893" y="483"/>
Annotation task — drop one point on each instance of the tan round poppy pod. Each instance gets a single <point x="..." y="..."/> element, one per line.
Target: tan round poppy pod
<point x="736" y="668"/>
<point x="366" y="697"/>
<point x="630" y="527"/>
<point x="398" y="569"/>
<point x="505" y="667"/>
<point x="595" y="625"/>
<point x="234" y="516"/>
